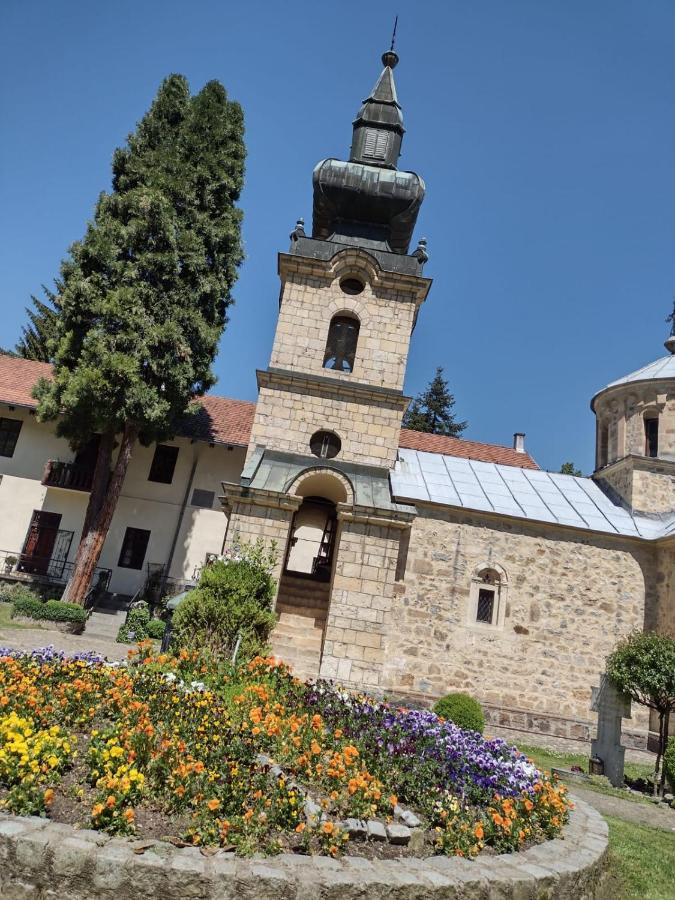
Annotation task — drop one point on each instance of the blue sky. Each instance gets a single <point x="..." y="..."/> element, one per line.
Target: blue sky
<point x="544" y="131"/>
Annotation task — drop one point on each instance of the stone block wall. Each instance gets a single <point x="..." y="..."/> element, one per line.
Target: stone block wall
<point x="250" y="520"/>
<point x="645" y="485"/>
<point x="311" y="296"/>
<point x="361" y="598"/>
<point x="566" y="598"/>
<point x="286" y="417"/>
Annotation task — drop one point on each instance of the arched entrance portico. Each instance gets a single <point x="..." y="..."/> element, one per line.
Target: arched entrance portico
<point x="309" y="563"/>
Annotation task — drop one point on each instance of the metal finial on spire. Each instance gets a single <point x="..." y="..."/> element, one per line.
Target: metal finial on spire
<point x="390" y="57"/>
<point x="670" y="343"/>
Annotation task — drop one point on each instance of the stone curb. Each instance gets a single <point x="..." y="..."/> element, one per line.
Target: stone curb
<point x="50" y="861"/>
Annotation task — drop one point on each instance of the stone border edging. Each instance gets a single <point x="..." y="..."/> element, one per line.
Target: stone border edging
<point x="50" y="861"/>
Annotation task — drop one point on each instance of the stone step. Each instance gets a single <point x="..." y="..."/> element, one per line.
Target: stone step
<point x="300" y="618"/>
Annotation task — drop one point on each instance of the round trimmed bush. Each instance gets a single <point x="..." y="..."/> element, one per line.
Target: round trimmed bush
<point x="155" y="629"/>
<point x="462" y="710"/>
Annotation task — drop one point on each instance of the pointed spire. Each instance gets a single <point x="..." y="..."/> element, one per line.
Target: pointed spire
<point x="378" y="126"/>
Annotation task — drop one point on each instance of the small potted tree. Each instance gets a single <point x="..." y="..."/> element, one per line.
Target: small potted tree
<point x="643" y="666"/>
<point x="10" y="562"/>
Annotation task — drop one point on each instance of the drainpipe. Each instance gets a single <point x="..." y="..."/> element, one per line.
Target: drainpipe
<point x="181" y="514"/>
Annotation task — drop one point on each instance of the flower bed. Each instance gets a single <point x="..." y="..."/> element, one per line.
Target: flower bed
<point x="173" y="747"/>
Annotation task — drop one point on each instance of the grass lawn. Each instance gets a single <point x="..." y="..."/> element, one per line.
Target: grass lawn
<point x="6" y="620"/>
<point x="547" y="759"/>
<point x="642" y="861"/>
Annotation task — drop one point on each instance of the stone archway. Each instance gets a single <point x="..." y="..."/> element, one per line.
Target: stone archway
<point x="304" y="592"/>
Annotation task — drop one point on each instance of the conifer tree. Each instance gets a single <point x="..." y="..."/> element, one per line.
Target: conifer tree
<point x="568" y="468"/>
<point x="145" y="293"/>
<point x="431" y="411"/>
<point x="36" y="337"/>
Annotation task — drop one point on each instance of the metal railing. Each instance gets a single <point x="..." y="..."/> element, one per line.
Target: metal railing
<point x="25" y="567"/>
<point x="70" y="475"/>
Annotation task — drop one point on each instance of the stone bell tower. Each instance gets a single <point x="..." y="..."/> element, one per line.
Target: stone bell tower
<point x="330" y="403"/>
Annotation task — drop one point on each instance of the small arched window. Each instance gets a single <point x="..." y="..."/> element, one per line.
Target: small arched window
<point x="487" y="599"/>
<point x="343" y="336"/>
<point x="651" y="433"/>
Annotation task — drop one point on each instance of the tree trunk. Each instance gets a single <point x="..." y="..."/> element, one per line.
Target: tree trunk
<point x="659" y="753"/>
<point x="101" y="508"/>
<point x="664" y="747"/>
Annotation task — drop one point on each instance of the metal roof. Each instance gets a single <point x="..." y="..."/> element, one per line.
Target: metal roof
<point x="523" y="493"/>
<point x="657" y="370"/>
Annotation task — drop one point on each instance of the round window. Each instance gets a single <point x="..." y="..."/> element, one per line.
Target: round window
<point x="325" y="444"/>
<point x="351" y="286"/>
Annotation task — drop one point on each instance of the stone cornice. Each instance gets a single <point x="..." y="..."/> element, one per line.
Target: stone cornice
<point x="641" y="463"/>
<point x="238" y="493"/>
<point x="325" y="385"/>
<point x="367" y="515"/>
<point x="416" y="286"/>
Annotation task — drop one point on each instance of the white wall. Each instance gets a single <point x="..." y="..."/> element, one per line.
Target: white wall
<point x="143" y="504"/>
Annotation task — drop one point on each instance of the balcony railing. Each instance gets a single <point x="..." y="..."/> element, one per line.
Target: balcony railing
<point x="20" y="566"/>
<point x="69" y="475"/>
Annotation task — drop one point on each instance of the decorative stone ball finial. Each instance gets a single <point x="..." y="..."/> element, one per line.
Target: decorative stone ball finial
<point x="299" y="230"/>
<point x="390" y="59"/>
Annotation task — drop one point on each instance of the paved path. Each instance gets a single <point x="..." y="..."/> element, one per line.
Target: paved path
<point x="99" y="636"/>
<point x="656" y="816"/>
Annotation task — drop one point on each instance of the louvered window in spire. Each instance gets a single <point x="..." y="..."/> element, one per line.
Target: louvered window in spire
<point x="376" y="144"/>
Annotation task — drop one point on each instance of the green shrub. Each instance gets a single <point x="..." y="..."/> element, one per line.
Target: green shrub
<point x="11" y="592"/>
<point x="155" y="629"/>
<point x="462" y="710"/>
<point x="51" y="611"/>
<point x="58" y="611"/>
<point x="32" y="607"/>
<point x="669" y="763"/>
<point x="233" y="598"/>
<point x="136" y="626"/>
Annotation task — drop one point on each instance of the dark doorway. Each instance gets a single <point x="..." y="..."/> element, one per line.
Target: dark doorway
<point x="45" y="550"/>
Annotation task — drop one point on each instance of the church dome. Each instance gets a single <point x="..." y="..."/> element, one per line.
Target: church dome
<point x="657" y="370"/>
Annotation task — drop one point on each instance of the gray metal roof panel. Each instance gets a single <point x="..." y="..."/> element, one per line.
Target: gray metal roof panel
<point x="522" y="493"/>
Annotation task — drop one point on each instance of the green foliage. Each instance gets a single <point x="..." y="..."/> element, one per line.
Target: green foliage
<point x="37" y="337"/>
<point x="461" y="709"/>
<point x="52" y="611"/>
<point x="669" y="763"/>
<point x="431" y="411"/>
<point x="10" y="593"/>
<point x="643" y="666"/>
<point x="234" y="597"/>
<point x="136" y="626"/>
<point x="155" y="629"/>
<point x="144" y="294"/>
<point x="568" y="468"/>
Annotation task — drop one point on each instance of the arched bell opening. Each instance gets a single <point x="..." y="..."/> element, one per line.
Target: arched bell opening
<point x="311" y="544"/>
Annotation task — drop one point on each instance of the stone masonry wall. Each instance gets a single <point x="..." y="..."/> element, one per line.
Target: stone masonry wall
<point x="249" y="522"/>
<point x="664" y="618"/>
<point x="363" y="589"/>
<point x="286" y="419"/>
<point x="309" y="303"/>
<point x="565" y="601"/>
<point x="645" y="485"/>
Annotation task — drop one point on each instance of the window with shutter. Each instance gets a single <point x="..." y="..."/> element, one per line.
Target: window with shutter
<point x="376" y="144"/>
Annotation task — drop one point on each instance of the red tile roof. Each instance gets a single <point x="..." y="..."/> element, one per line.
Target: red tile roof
<point x="224" y="421"/>
<point x="451" y="446"/>
<point x="17" y="379"/>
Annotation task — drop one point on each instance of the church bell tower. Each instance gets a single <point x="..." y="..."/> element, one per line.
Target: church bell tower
<point x="330" y="402"/>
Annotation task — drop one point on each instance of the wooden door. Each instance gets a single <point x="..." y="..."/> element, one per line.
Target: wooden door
<point x="39" y="544"/>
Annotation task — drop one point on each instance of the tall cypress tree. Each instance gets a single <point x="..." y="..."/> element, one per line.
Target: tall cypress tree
<point x="431" y="411"/>
<point x="36" y="341"/>
<point x="145" y="293"/>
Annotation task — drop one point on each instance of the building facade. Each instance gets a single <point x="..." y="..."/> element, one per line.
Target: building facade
<point x="408" y="564"/>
